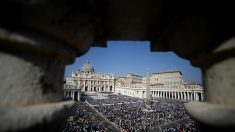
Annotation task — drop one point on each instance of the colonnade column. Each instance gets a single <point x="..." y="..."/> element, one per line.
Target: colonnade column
<point x="195" y="96"/>
<point x="188" y="95"/>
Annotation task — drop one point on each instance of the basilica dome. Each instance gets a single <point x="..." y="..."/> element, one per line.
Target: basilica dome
<point x="87" y="67"/>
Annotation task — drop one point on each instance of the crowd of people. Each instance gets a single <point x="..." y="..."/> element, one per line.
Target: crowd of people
<point x="185" y="127"/>
<point x="112" y="99"/>
<point x="85" y="120"/>
<point x="128" y="114"/>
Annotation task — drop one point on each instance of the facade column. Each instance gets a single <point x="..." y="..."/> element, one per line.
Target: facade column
<point x="194" y="96"/>
<point x="72" y="95"/>
<point x="104" y="85"/>
<point x="101" y="83"/>
<point x="83" y="85"/>
<point x="198" y="97"/>
<point x="90" y="89"/>
<point x="175" y="95"/>
<point x="188" y="95"/>
<point x="92" y="86"/>
<point x="184" y="96"/>
<point x="88" y="85"/>
<point x="98" y="86"/>
<point x="178" y="95"/>
<point x="109" y="86"/>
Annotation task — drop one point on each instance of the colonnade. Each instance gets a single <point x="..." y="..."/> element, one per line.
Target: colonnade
<point x="181" y="95"/>
<point x="72" y="94"/>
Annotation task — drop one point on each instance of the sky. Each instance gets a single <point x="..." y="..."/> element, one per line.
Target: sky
<point x="122" y="57"/>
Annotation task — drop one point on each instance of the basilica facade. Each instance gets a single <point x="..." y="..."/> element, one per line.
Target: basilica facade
<point x="89" y="81"/>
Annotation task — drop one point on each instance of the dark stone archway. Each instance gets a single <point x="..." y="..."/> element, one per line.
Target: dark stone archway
<point x="42" y="36"/>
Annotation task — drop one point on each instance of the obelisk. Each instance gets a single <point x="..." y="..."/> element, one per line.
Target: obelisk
<point x="148" y="104"/>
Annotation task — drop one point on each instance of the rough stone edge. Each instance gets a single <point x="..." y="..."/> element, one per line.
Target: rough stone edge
<point x="33" y="43"/>
<point x="25" y="117"/>
<point x="212" y="114"/>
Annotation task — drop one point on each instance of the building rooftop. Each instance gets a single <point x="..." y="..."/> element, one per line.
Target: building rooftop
<point x="162" y="72"/>
<point x="134" y="74"/>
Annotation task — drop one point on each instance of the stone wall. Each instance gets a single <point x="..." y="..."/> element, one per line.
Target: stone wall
<point x="39" y="37"/>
